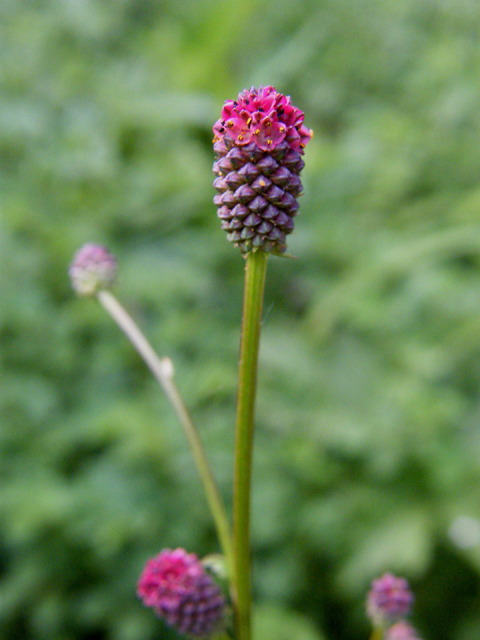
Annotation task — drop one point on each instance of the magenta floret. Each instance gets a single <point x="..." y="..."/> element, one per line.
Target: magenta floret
<point x="176" y="585"/>
<point x="389" y="599"/>
<point x="264" y="117"/>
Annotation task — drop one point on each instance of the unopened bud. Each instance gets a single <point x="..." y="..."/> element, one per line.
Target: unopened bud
<point x="389" y="599"/>
<point x="93" y="268"/>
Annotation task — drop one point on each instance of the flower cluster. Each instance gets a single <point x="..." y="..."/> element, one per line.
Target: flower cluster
<point x="389" y="599"/>
<point x="264" y="117"/>
<point x="258" y="143"/>
<point x="176" y="585"/>
<point x="389" y="602"/>
<point x="93" y="268"/>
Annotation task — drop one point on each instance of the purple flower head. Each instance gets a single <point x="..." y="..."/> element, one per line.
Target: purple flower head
<point x="264" y="117"/>
<point x="176" y="585"/>
<point x="389" y="599"/>
<point x="259" y="141"/>
<point x="93" y="268"/>
<point x="401" y="631"/>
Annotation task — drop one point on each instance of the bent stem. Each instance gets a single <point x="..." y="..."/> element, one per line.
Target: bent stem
<point x="162" y="369"/>
<point x="255" y="272"/>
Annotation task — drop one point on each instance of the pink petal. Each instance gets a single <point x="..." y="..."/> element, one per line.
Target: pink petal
<point x="237" y="129"/>
<point x="268" y="136"/>
<point x="305" y="134"/>
<point x="228" y="107"/>
<point x="294" y="140"/>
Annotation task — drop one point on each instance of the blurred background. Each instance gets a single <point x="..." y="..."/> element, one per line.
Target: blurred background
<point x="368" y="441"/>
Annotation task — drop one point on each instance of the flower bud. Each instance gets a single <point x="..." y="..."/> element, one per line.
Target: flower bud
<point x="93" y="268"/>
<point x="176" y="585"/>
<point x="389" y="599"/>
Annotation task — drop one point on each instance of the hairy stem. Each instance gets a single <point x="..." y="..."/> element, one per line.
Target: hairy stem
<point x="162" y="369"/>
<point x="255" y="272"/>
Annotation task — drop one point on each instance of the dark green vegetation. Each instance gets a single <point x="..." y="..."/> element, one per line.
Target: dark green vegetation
<point x="368" y="431"/>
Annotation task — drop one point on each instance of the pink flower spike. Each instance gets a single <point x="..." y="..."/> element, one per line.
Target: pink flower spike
<point x="258" y="144"/>
<point x="176" y="585"/>
<point x="389" y="599"/>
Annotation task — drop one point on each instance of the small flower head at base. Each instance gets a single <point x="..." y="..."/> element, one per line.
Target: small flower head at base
<point x="389" y="599"/>
<point x="93" y="268"/>
<point x="176" y="585"/>
<point x="259" y="141"/>
<point x="401" y="631"/>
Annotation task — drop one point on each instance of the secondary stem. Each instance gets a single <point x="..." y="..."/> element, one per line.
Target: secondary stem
<point x="162" y="369"/>
<point x="255" y="272"/>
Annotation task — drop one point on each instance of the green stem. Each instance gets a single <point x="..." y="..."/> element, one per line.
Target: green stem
<point x="162" y="369"/>
<point x="377" y="634"/>
<point x="255" y="272"/>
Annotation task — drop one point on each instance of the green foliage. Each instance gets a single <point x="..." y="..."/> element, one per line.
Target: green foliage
<point x="273" y="623"/>
<point x="368" y="440"/>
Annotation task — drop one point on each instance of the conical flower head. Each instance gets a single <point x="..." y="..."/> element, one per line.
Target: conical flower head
<point x="259" y="142"/>
<point x="389" y="599"/>
<point x="93" y="268"/>
<point x="176" y="585"/>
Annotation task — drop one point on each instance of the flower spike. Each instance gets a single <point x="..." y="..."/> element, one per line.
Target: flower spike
<point x="258" y="142"/>
<point x="389" y="599"/>
<point x="176" y="585"/>
<point x="93" y="268"/>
